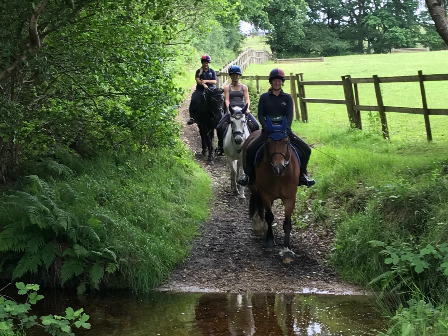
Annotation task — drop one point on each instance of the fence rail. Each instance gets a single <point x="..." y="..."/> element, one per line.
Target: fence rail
<point x="354" y="108"/>
<point x="405" y="50"/>
<point x="246" y="58"/>
<point x="300" y="60"/>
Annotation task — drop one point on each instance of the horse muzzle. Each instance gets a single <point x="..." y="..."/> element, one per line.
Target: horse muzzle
<point x="238" y="139"/>
<point x="279" y="169"/>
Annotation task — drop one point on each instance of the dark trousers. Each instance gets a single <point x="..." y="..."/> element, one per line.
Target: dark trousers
<point x="196" y="97"/>
<point x="302" y="148"/>
<point x="252" y="124"/>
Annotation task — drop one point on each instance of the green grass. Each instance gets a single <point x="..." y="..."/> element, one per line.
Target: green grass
<point x="324" y="117"/>
<point x="371" y="189"/>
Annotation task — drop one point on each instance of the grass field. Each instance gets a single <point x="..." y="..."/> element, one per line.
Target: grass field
<point x="328" y="117"/>
<point x="255" y="42"/>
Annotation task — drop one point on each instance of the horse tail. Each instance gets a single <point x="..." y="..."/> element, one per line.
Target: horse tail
<point x="256" y="205"/>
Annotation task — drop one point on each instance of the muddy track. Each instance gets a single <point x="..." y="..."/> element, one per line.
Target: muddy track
<point x="227" y="257"/>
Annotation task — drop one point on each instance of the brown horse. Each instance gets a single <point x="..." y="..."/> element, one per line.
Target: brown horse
<point x="277" y="177"/>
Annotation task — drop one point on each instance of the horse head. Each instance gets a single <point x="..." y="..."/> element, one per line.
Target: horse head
<point x="278" y="146"/>
<point x="215" y="101"/>
<point x="238" y="123"/>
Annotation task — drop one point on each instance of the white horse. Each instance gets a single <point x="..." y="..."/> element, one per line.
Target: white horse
<point x="234" y="138"/>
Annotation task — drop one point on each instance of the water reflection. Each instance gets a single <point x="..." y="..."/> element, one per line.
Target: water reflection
<point x="168" y="314"/>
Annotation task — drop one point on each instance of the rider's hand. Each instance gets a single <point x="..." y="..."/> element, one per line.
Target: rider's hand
<point x="205" y="86"/>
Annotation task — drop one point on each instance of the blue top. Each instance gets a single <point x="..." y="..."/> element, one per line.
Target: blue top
<point x="276" y="107"/>
<point x="207" y="75"/>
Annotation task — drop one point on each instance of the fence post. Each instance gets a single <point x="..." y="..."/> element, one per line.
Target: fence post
<point x="349" y="100"/>
<point x="301" y="88"/>
<point x="379" y="99"/>
<point x="294" y="95"/>
<point x="258" y="84"/>
<point x="425" y="106"/>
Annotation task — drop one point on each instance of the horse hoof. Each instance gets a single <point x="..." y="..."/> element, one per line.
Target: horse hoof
<point x="204" y="151"/>
<point x="287" y="255"/>
<point x="269" y="244"/>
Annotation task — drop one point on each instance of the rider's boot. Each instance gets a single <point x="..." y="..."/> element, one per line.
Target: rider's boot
<point x="219" y="151"/>
<point x="247" y="179"/>
<point x="305" y="180"/>
<point x="191" y="121"/>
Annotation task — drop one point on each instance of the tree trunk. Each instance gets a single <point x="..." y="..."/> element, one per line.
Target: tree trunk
<point x="438" y="14"/>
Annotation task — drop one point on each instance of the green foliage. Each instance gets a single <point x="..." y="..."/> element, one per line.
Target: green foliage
<point x="15" y="317"/>
<point x="419" y="318"/>
<point x="122" y="221"/>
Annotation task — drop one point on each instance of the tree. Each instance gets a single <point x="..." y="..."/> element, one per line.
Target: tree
<point x="438" y="13"/>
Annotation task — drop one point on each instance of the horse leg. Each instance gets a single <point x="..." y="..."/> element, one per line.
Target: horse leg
<point x="256" y="213"/>
<point x="231" y="165"/>
<point x="237" y="173"/>
<point x="286" y="253"/>
<point x="210" y="148"/>
<point x="203" y="142"/>
<point x="269" y="240"/>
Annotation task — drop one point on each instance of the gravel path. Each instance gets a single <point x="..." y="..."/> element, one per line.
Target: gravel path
<point x="227" y="257"/>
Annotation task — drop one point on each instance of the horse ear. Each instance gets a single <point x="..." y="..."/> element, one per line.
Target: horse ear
<point x="269" y="124"/>
<point x="231" y="110"/>
<point x="244" y="109"/>
<point x="284" y="124"/>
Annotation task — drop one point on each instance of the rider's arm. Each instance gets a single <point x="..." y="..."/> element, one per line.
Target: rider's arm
<point x="213" y="80"/>
<point x="289" y="111"/>
<point x="261" y="111"/>
<point x="198" y="80"/>
<point x="227" y="96"/>
<point x="246" y="97"/>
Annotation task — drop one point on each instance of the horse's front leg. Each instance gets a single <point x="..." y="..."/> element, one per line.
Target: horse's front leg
<point x="210" y="146"/>
<point x="286" y="253"/>
<point x="269" y="240"/>
<point x="203" y="139"/>
<point x="231" y="165"/>
<point x="239" y="168"/>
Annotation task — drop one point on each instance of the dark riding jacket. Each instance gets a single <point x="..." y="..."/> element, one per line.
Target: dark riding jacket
<point x="207" y="75"/>
<point x="276" y="107"/>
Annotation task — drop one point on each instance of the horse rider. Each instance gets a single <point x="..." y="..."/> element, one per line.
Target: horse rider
<point x="236" y="94"/>
<point x="277" y="105"/>
<point x="205" y="78"/>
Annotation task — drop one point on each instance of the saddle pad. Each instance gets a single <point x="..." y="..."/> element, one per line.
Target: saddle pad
<point x="259" y="154"/>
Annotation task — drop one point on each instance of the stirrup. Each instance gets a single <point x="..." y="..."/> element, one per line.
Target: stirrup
<point x="191" y="121"/>
<point x="306" y="181"/>
<point x="243" y="181"/>
<point x="219" y="151"/>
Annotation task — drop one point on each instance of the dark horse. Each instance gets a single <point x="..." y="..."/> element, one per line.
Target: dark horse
<point x="210" y="112"/>
<point x="277" y="177"/>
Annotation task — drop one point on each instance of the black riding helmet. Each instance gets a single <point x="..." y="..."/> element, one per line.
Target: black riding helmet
<point x="277" y="74"/>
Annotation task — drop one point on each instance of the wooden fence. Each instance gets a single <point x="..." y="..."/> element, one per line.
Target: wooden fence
<point x="300" y="60"/>
<point x="406" y="50"/>
<point x="246" y="58"/>
<point x="350" y="87"/>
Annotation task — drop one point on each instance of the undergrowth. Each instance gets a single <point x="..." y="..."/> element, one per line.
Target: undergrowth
<point x="120" y="222"/>
<point x="387" y="203"/>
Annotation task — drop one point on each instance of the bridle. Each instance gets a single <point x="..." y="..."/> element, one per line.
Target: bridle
<point x="216" y="102"/>
<point x="286" y="156"/>
<point x="235" y="133"/>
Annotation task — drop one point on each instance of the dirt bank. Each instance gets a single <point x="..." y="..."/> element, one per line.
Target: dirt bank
<point x="227" y="257"/>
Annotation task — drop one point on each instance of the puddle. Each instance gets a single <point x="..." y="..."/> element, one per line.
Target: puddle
<point x="187" y="314"/>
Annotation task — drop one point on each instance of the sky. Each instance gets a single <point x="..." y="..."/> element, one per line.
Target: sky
<point x="245" y="27"/>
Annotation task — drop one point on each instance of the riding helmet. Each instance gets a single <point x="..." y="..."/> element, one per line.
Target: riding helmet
<point x="235" y="69"/>
<point x="277" y="74"/>
<point x="206" y="58"/>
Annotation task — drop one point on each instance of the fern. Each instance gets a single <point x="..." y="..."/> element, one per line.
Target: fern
<point x="34" y="244"/>
<point x="27" y="264"/>
<point x="48" y="253"/>
<point x="96" y="273"/>
<point x="70" y="268"/>
<point x="54" y="168"/>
